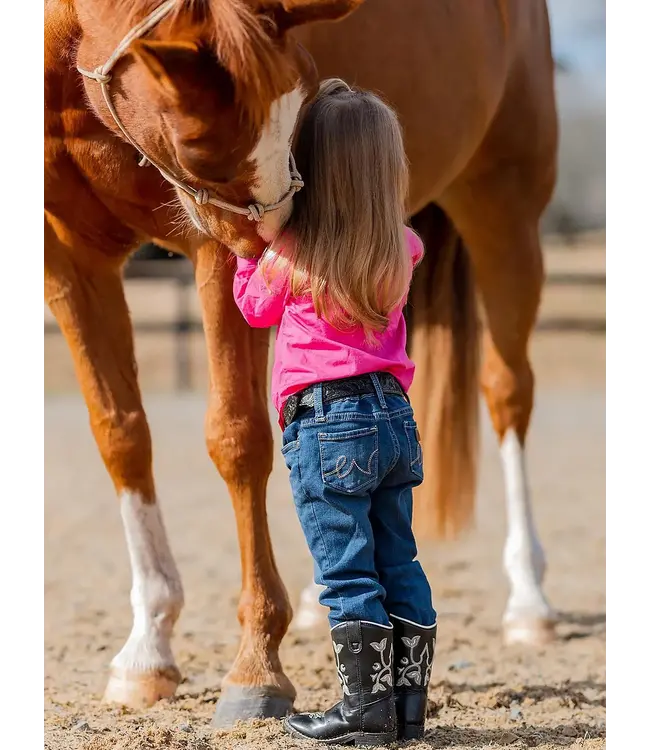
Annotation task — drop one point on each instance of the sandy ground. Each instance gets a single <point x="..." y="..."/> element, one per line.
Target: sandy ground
<point x="482" y="694"/>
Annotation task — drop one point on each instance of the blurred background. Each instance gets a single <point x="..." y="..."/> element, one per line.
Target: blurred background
<point x="579" y="48"/>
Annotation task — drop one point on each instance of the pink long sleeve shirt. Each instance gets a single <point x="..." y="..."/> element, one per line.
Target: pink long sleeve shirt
<point x="308" y="349"/>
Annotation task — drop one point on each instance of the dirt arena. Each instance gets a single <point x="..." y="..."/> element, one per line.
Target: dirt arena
<point x="482" y="694"/>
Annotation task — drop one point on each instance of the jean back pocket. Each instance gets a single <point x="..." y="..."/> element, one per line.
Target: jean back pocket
<point x="349" y="460"/>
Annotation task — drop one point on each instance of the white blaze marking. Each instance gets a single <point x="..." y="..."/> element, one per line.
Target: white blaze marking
<point x="523" y="555"/>
<point x="271" y="158"/>
<point x="156" y="594"/>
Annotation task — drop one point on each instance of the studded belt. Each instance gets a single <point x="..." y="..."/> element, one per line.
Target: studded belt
<point x="334" y="390"/>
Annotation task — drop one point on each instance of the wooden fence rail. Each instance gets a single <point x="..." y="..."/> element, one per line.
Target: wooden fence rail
<point x="181" y="273"/>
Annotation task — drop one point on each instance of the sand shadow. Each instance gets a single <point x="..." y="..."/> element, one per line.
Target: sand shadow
<point x="562" y="734"/>
<point x="572" y="694"/>
<point x="585" y="624"/>
<point x="583" y="619"/>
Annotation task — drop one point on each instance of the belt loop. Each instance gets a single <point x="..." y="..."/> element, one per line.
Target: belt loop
<point x="319" y="414"/>
<point x="380" y="393"/>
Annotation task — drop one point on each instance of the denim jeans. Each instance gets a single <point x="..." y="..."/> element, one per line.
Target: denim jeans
<point x="353" y="465"/>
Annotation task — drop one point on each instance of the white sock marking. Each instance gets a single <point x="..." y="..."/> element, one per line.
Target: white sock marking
<point x="157" y="593"/>
<point x="271" y="158"/>
<point x="310" y="611"/>
<point x="523" y="556"/>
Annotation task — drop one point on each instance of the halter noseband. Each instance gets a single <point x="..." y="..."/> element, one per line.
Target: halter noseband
<point x="102" y="74"/>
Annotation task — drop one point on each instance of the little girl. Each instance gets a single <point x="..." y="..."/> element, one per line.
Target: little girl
<point x="335" y="283"/>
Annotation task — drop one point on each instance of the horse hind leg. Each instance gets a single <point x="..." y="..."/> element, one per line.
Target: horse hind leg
<point x="500" y="228"/>
<point x="508" y="384"/>
<point x="92" y="313"/>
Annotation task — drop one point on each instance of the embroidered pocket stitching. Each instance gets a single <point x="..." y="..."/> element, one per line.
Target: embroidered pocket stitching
<point x="343" y="459"/>
<point x="342" y="469"/>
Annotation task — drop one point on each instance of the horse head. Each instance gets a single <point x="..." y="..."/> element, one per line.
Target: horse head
<point x="209" y="91"/>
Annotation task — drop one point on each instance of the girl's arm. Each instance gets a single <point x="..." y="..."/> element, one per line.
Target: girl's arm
<point x="261" y="305"/>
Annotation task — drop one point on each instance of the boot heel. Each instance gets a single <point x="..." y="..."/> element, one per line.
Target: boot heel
<point x="369" y="739"/>
<point x="412" y="732"/>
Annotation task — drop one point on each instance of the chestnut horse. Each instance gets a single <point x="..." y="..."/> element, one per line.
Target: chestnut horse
<point x="205" y="95"/>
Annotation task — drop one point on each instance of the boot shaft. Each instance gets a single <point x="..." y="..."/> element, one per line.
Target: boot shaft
<point x="363" y="654"/>
<point x="414" y="651"/>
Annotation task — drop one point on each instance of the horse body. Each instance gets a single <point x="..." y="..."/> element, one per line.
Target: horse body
<point x="211" y="93"/>
<point x="427" y="76"/>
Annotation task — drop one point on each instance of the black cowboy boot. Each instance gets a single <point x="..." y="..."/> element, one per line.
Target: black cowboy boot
<point x="364" y="665"/>
<point x="414" y="648"/>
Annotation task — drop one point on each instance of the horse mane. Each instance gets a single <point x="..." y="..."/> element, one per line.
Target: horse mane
<point x="243" y="41"/>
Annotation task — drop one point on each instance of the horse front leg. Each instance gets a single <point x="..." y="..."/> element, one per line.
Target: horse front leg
<point x="239" y="441"/>
<point x="89" y="305"/>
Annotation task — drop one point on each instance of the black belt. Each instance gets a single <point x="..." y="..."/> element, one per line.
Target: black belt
<point x="334" y="390"/>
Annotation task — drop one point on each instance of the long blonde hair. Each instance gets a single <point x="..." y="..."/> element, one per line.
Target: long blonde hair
<point x="344" y="243"/>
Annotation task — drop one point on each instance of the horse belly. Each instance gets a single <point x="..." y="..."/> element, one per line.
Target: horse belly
<point x="442" y="67"/>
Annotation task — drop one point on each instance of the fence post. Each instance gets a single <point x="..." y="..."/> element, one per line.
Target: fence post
<point x="183" y="328"/>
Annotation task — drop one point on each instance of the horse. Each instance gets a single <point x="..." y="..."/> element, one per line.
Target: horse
<point x="171" y="121"/>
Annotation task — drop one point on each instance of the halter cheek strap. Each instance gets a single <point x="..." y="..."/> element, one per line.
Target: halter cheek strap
<point x="102" y="74"/>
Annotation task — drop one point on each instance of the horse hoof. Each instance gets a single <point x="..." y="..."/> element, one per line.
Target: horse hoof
<point x="141" y="689"/>
<point x="243" y="704"/>
<point x="530" y="632"/>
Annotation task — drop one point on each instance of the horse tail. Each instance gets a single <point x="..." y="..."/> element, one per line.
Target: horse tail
<point x="444" y="344"/>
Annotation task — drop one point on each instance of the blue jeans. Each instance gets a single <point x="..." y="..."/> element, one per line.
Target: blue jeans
<point x="353" y="464"/>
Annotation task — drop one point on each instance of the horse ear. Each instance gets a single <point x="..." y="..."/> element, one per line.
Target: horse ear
<point x="288" y="14"/>
<point x="161" y="58"/>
